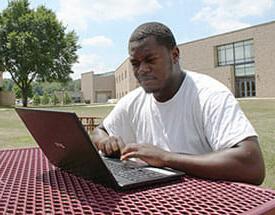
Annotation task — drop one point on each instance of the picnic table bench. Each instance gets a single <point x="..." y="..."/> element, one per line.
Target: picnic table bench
<point x="90" y="122"/>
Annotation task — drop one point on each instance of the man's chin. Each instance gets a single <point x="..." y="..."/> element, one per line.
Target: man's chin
<point x="149" y="90"/>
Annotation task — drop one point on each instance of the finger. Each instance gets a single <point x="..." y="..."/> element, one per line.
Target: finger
<point x="108" y="148"/>
<point x="114" y="143"/>
<point x="100" y="144"/>
<point x="120" y="143"/>
<point x="129" y="148"/>
<point x="114" y="146"/>
<point x="97" y="144"/>
<point x="128" y="155"/>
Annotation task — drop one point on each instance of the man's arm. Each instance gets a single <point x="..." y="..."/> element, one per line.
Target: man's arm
<point x="242" y="163"/>
<point x="109" y="145"/>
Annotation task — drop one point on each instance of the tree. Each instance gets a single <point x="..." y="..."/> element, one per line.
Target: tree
<point x="18" y="92"/>
<point x="45" y="99"/>
<point x="37" y="88"/>
<point x="8" y="85"/>
<point x="36" y="100"/>
<point x="34" y="46"/>
<point x="67" y="99"/>
<point x="54" y="99"/>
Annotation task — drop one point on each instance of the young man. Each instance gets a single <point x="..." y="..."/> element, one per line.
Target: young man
<point x="179" y="119"/>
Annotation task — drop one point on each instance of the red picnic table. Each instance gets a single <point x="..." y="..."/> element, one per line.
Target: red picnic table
<point x="29" y="184"/>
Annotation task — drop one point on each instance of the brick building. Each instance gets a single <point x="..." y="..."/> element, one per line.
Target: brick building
<point x="244" y="60"/>
<point x="97" y="88"/>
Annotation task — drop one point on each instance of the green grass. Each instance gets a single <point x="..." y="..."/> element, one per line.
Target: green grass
<point x="13" y="133"/>
<point x="261" y="113"/>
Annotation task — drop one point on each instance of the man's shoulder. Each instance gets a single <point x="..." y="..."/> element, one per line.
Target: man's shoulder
<point x="133" y="96"/>
<point x="206" y="90"/>
<point x="205" y="83"/>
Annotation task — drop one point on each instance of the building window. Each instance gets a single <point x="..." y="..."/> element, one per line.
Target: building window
<point x="225" y="55"/>
<point x="244" y="51"/>
<point x="241" y="56"/>
<point x="236" y="53"/>
<point x="242" y="70"/>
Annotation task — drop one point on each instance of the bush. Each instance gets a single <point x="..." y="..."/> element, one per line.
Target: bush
<point x="54" y="99"/>
<point x="67" y="99"/>
<point x="36" y="100"/>
<point x="45" y="99"/>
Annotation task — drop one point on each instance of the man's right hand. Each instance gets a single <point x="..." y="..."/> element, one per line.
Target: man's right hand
<point x="111" y="146"/>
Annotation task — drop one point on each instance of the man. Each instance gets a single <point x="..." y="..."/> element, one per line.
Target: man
<point x="179" y="119"/>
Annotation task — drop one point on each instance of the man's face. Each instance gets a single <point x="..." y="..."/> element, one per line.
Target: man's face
<point x="152" y="64"/>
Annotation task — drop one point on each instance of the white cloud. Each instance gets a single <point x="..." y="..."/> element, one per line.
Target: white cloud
<point x="168" y="3"/>
<point x="227" y="15"/>
<point x="101" y="41"/>
<point x="77" y="13"/>
<point x="87" y="63"/>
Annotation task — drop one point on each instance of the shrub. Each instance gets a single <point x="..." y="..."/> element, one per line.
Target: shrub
<point x="54" y="99"/>
<point x="45" y="99"/>
<point x="67" y="99"/>
<point x="36" y="100"/>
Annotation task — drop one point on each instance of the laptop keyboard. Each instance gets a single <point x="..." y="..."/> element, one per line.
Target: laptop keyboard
<point x="130" y="172"/>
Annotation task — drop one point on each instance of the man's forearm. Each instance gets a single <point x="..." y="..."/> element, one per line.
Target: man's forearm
<point x="98" y="134"/>
<point x="243" y="163"/>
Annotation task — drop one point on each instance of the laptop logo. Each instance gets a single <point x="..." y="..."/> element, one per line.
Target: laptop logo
<point x="59" y="145"/>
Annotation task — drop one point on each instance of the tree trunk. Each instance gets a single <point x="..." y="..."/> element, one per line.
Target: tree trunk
<point x="25" y="97"/>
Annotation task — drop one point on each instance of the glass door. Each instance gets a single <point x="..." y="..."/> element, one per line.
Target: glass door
<point x="245" y="87"/>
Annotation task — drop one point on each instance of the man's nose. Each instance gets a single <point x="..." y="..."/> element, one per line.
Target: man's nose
<point x="144" y="67"/>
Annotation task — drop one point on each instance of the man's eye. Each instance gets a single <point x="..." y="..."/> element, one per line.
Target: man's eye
<point x="151" y="60"/>
<point x="135" y="64"/>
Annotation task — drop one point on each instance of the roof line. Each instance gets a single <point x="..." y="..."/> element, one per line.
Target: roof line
<point x="230" y="32"/>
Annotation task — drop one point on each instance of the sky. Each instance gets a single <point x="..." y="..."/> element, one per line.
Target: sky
<point x="104" y="26"/>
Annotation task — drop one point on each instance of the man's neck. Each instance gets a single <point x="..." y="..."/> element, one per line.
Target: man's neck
<point x="175" y="84"/>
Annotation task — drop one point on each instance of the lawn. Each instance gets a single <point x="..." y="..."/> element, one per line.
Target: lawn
<point x="13" y="133"/>
<point x="261" y="113"/>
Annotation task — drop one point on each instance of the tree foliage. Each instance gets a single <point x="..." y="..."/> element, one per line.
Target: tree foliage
<point x="18" y="91"/>
<point x="45" y="99"/>
<point x="54" y="99"/>
<point x="34" y="45"/>
<point x="67" y="98"/>
<point x="8" y="85"/>
<point x="36" y="100"/>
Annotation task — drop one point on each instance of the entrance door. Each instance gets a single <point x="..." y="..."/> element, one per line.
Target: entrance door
<point x="245" y="87"/>
<point x="102" y="97"/>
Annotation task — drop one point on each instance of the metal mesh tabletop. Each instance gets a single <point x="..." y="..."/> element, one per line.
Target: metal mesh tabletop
<point x="30" y="185"/>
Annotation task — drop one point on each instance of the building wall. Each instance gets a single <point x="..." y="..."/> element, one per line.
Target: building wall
<point x="87" y="86"/>
<point x="265" y="60"/>
<point x="1" y="79"/>
<point x="201" y="55"/>
<point x="7" y="98"/>
<point x="97" y="87"/>
<point x="124" y="79"/>
<point x="104" y="88"/>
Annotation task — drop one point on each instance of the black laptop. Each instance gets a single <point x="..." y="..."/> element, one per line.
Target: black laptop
<point x="66" y="144"/>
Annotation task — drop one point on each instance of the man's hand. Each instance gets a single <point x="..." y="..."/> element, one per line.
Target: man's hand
<point x="111" y="145"/>
<point x="150" y="154"/>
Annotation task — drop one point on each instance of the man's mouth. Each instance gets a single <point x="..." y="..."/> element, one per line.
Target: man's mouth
<point x="146" y="78"/>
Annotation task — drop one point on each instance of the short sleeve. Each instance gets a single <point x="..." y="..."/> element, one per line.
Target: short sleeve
<point x="117" y="123"/>
<point x="225" y="124"/>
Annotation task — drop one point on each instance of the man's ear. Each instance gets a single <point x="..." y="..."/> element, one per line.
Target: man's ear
<point x="175" y="55"/>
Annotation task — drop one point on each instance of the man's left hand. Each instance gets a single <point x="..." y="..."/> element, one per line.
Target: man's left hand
<point x="150" y="154"/>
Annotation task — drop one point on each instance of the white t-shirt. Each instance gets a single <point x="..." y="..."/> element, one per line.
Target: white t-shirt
<point x="203" y="116"/>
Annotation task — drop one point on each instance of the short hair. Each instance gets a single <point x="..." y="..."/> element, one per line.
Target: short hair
<point x="159" y="31"/>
